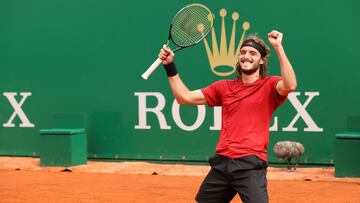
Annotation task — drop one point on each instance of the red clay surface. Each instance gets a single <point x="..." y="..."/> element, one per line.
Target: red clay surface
<point x="23" y="180"/>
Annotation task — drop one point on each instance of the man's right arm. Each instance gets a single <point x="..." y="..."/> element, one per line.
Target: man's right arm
<point x="182" y="94"/>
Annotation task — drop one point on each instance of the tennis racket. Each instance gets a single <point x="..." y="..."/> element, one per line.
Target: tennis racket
<point x="188" y="27"/>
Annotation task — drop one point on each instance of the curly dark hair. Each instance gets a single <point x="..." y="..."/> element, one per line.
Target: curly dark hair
<point x="263" y="67"/>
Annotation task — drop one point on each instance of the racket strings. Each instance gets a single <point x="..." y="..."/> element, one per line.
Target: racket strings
<point x="187" y="31"/>
<point x="191" y="25"/>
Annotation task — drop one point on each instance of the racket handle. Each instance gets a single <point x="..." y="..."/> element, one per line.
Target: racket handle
<point x="151" y="69"/>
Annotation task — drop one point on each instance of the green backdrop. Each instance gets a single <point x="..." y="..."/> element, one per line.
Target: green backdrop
<point x="78" y="64"/>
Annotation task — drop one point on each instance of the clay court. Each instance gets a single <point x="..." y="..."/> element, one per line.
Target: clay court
<point x="23" y="180"/>
<point x="80" y="89"/>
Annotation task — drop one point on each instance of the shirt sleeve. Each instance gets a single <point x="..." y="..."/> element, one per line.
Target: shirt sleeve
<point x="212" y="93"/>
<point x="279" y="99"/>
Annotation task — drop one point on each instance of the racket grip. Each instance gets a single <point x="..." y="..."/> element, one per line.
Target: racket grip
<point x="151" y="69"/>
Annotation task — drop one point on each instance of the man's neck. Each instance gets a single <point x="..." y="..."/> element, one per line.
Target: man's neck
<point x="250" y="78"/>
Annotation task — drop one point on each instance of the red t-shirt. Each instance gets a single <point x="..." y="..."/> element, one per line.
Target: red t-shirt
<point x="247" y="110"/>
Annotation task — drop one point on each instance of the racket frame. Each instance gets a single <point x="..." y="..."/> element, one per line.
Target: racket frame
<point x="158" y="61"/>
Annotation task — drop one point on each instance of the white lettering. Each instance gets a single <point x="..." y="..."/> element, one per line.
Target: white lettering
<point x="157" y="110"/>
<point x="274" y="127"/>
<point x="217" y="118"/>
<point x="301" y="112"/>
<point x="177" y="118"/>
<point x="201" y="115"/>
<point x="25" y="122"/>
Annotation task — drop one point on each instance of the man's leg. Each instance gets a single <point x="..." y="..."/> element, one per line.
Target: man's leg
<point x="253" y="188"/>
<point x="216" y="186"/>
<point x="249" y="179"/>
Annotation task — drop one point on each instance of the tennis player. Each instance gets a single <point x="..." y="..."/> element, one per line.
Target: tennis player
<point x="248" y="102"/>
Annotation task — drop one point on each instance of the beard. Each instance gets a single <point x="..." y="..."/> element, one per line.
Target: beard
<point x="249" y="71"/>
<point x="253" y="69"/>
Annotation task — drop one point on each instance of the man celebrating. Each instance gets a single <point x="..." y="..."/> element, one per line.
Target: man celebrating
<point x="248" y="103"/>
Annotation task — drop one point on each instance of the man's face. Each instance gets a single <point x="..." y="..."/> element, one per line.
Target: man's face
<point x="250" y="60"/>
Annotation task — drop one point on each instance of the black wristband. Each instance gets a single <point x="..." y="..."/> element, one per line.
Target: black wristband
<point x="170" y="69"/>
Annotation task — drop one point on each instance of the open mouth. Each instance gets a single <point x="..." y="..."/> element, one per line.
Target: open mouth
<point x="246" y="63"/>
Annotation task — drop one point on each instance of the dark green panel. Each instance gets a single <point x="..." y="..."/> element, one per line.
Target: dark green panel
<point x="82" y="61"/>
<point x="63" y="147"/>
<point x="347" y="144"/>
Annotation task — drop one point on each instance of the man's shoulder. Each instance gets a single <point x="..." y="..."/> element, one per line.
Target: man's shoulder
<point x="273" y="78"/>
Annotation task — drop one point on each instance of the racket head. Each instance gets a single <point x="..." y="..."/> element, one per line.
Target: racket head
<point x="191" y="25"/>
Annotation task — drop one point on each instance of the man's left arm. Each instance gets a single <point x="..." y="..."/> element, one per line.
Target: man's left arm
<point x="288" y="82"/>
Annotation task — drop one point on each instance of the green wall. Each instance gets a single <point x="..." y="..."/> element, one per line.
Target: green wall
<point x="78" y="63"/>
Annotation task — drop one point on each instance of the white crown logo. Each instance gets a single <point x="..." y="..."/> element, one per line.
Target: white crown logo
<point x="227" y="56"/>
